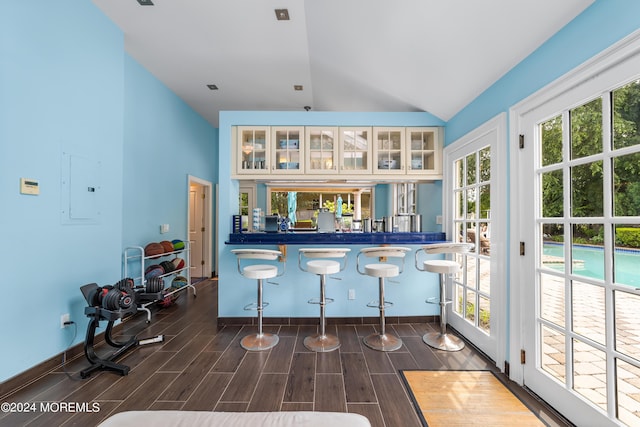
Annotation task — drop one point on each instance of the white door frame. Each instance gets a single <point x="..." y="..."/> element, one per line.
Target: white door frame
<point x="496" y="345"/>
<point x="603" y="72"/>
<point x="207" y="244"/>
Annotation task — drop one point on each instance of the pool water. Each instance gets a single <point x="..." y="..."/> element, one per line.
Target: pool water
<point x="589" y="262"/>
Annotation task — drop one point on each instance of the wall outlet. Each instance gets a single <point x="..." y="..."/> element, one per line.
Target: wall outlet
<point x="63" y="319"/>
<point x="352" y="294"/>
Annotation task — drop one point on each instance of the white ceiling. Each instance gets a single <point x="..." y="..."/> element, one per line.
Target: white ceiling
<point x="350" y="55"/>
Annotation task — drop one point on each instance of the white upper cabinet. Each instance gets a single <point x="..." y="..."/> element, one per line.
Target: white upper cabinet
<point x="389" y="156"/>
<point x="287" y="153"/>
<point x="252" y="150"/>
<point x="322" y="150"/>
<point x="355" y="151"/>
<point x="424" y="151"/>
<point x="309" y="152"/>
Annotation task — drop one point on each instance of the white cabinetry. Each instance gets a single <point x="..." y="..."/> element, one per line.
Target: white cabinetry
<point x="322" y="150"/>
<point x="287" y="155"/>
<point x="252" y="150"/>
<point x="299" y="152"/>
<point x="389" y="156"/>
<point x="424" y="151"/>
<point x="355" y="151"/>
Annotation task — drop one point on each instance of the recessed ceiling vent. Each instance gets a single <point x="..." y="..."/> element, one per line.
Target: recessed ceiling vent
<point x="145" y="2"/>
<point x="212" y="87"/>
<point x="282" y="14"/>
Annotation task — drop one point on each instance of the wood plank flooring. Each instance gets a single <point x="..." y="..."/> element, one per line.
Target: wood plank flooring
<point x="199" y="367"/>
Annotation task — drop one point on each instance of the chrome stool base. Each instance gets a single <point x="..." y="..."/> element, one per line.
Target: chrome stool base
<point x="446" y="342"/>
<point x="383" y="342"/>
<point x="259" y="342"/>
<point x="322" y="343"/>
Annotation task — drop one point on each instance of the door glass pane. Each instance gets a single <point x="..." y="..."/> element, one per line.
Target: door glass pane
<point x="471" y="169"/>
<point x="470" y="314"/>
<point x="553" y="246"/>
<point x="626" y="257"/>
<point x="628" y="379"/>
<point x="586" y="129"/>
<point x="626" y="185"/>
<point x="553" y="353"/>
<point x="485" y="164"/>
<point x="459" y="175"/>
<point x="485" y="201"/>
<point x="627" y="327"/>
<point x="552" y="194"/>
<point x="626" y="115"/>
<point x="458" y="298"/>
<point x="587" y="305"/>
<point x="589" y="373"/>
<point x="552" y="298"/>
<point x="471" y="203"/>
<point x="459" y="201"/>
<point x="551" y="141"/>
<point x="587" y="258"/>
<point x="484" y="315"/>
<point x="587" y="190"/>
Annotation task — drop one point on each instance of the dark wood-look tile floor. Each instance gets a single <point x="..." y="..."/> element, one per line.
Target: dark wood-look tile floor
<point x="199" y="367"/>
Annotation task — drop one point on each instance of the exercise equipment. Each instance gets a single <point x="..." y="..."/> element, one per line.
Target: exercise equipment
<point x="110" y="303"/>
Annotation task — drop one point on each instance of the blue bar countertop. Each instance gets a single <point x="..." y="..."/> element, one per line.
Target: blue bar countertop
<point x="311" y="238"/>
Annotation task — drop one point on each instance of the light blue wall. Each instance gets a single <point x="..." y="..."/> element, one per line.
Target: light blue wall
<point x="61" y="89"/>
<point x="598" y="27"/>
<point x="289" y="299"/>
<point x="164" y="142"/>
<point x="66" y="86"/>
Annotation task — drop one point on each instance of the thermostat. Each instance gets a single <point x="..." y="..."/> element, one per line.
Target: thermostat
<point x="29" y="186"/>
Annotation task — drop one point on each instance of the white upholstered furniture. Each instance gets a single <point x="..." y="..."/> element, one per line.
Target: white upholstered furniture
<point x="234" y="419"/>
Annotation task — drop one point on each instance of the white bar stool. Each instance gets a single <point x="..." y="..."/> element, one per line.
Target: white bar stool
<point x="442" y="340"/>
<point x="322" y="342"/>
<point x="382" y="341"/>
<point x="259" y="341"/>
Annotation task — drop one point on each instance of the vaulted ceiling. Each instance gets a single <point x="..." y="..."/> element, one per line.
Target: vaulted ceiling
<point x="348" y="55"/>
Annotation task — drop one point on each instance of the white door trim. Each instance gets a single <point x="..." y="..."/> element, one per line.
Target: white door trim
<point x="499" y="190"/>
<point x="207" y="186"/>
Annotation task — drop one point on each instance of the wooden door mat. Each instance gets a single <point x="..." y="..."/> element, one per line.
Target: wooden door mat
<point x="465" y="398"/>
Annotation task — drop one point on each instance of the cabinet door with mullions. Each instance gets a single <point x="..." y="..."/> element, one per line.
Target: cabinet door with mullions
<point x="252" y="150"/>
<point x="322" y="150"/>
<point x="389" y="146"/>
<point x="287" y="153"/>
<point x="355" y="150"/>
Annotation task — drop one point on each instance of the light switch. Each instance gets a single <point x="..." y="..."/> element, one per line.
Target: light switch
<point x="164" y="228"/>
<point x="29" y="186"/>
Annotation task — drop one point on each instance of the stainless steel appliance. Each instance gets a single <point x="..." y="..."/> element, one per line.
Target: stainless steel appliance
<point x="271" y="223"/>
<point x="326" y="222"/>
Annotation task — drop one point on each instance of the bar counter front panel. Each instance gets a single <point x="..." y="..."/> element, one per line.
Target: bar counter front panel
<point x="288" y="298"/>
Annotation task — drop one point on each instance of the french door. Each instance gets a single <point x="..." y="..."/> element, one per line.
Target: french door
<point x="474" y="205"/>
<point x="579" y="264"/>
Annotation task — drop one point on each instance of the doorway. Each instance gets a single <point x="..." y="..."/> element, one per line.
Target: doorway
<point x="475" y="208"/>
<point x="578" y="177"/>
<point x="199" y="228"/>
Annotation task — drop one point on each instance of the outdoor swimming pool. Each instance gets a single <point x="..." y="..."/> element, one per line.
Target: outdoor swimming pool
<point x="588" y="261"/>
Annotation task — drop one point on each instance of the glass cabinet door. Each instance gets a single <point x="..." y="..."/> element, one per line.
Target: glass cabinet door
<point x="423" y="154"/>
<point x="287" y="149"/>
<point x="389" y="150"/>
<point x="253" y="145"/>
<point x="322" y="150"/>
<point x="355" y="149"/>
